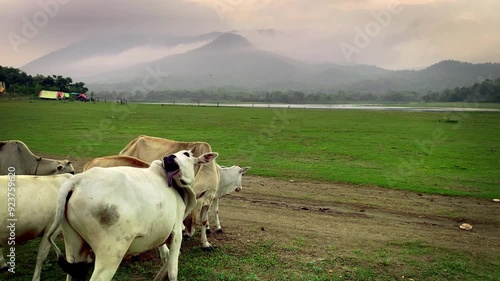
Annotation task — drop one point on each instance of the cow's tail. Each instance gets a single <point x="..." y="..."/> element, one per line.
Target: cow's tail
<point x="64" y="194"/>
<point x="73" y="269"/>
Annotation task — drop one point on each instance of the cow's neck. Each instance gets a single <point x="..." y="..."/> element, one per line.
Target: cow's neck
<point x="178" y="189"/>
<point x="37" y="166"/>
<point x="225" y="180"/>
<point x="45" y="167"/>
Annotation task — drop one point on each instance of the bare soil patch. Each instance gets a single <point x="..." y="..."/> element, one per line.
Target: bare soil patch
<point x="344" y="217"/>
<point x="352" y="217"/>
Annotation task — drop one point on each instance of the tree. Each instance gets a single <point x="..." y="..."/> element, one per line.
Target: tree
<point x="19" y="82"/>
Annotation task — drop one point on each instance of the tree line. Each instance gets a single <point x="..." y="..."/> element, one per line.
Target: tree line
<point x="18" y="82"/>
<point x="486" y="91"/>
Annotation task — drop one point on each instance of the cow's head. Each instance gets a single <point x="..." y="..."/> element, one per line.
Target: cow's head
<point x="241" y="171"/>
<point x="63" y="167"/>
<point x="180" y="166"/>
<point x="53" y="167"/>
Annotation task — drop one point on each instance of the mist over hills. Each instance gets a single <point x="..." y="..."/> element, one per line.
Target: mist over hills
<point x="99" y="54"/>
<point x="228" y="60"/>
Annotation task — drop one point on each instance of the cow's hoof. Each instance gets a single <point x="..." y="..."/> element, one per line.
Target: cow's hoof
<point x="208" y="249"/>
<point x="220" y="230"/>
<point x="208" y="231"/>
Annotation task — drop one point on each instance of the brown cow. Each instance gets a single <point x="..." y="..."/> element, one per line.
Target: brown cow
<point x="207" y="177"/>
<point x="115" y="161"/>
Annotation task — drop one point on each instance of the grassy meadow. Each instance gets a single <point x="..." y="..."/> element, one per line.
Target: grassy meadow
<point x="443" y="153"/>
<point x="452" y="154"/>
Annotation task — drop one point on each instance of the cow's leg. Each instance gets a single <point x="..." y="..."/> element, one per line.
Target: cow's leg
<point x="108" y="259"/>
<point x="208" y="230"/>
<point x="216" y="211"/>
<point x="43" y="251"/>
<point x="164" y="252"/>
<point x="106" y="266"/>
<point x="171" y="266"/>
<point x="3" y="264"/>
<point x="77" y="260"/>
<point x="204" y="221"/>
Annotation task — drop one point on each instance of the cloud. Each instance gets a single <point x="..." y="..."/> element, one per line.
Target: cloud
<point x="136" y="55"/>
<point x="426" y="31"/>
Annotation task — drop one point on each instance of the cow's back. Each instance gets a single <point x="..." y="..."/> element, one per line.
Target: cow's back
<point x="149" y="148"/>
<point x="35" y="204"/>
<point x="115" y="161"/>
<point x="15" y="154"/>
<point x="106" y="193"/>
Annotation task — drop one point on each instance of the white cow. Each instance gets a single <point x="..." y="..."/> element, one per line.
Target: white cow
<point x="121" y="211"/>
<point x="33" y="200"/>
<point x="149" y="148"/>
<point x="230" y="180"/>
<point x="15" y="154"/>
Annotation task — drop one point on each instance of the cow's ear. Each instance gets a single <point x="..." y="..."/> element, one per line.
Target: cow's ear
<point x="206" y="158"/>
<point x="59" y="167"/>
<point x="244" y="170"/>
<point x="193" y="150"/>
<point x="68" y="162"/>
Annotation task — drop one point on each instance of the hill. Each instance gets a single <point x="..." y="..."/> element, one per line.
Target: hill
<point x="228" y="60"/>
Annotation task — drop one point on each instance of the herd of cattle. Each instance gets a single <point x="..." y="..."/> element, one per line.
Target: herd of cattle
<point x="146" y="197"/>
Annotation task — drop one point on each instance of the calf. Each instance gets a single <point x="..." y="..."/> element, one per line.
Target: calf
<point x="230" y="180"/>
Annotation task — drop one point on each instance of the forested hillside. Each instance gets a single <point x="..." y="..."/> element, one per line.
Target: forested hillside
<point x="486" y="91"/>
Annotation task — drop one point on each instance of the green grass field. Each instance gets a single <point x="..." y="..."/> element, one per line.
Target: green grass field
<point x="444" y="153"/>
<point x="452" y="154"/>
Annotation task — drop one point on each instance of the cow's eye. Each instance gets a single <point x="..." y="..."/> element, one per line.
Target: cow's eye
<point x="187" y="154"/>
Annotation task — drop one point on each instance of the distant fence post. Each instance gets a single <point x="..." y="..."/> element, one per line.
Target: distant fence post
<point x="217" y="104"/>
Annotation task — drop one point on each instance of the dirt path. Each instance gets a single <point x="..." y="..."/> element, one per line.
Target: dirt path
<point x="348" y="216"/>
<point x="355" y="216"/>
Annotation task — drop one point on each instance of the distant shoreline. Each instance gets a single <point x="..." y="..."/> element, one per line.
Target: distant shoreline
<point x="335" y="106"/>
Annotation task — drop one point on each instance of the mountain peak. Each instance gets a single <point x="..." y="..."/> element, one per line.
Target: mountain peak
<point x="448" y="64"/>
<point x="228" y="41"/>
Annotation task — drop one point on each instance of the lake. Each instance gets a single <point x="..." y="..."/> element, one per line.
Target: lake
<point x="341" y="106"/>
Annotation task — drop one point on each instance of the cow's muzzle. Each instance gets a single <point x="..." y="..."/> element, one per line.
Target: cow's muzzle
<point x="171" y="168"/>
<point x="169" y="164"/>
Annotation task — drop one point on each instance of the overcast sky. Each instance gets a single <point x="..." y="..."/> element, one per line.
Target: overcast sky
<point x="413" y="33"/>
